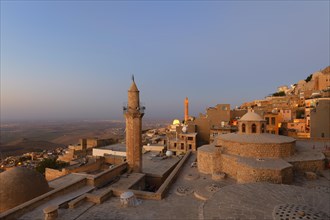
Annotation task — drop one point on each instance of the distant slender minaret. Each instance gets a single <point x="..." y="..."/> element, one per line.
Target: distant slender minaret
<point x="133" y="114"/>
<point x="186" y="110"/>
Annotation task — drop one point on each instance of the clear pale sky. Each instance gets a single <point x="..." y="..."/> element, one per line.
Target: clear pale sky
<point x="74" y="60"/>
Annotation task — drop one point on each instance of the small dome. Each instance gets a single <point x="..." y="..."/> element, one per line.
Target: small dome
<point x="19" y="185"/>
<point x="176" y="122"/>
<point x="251" y="116"/>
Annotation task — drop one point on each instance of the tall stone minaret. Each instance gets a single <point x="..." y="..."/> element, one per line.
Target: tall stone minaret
<point x="133" y="113"/>
<point x="186" y="110"/>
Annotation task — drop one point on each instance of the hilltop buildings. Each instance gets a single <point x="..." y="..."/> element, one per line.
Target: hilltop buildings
<point x="91" y="186"/>
<point x="252" y="155"/>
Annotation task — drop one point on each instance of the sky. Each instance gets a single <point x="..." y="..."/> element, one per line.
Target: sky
<point x="74" y="59"/>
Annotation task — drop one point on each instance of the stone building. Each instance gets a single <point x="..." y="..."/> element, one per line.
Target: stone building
<point x="251" y="155"/>
<point x="215" y="116"/>
<point x="320" y="119"/>
<point x="273" y="122"/>
<point x="133" y="113"/>
<point x="217" y="130"/>
<point x="83" y="148"/>
<point x="183" y="142"/>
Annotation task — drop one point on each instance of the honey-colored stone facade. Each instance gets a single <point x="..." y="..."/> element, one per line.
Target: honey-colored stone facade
<point x="308" y="166"/>
<point x="250" y="175"/>
<point x="257" y="150"/>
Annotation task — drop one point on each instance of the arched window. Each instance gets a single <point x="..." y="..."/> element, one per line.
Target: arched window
<point x="254" y="128"/>
<point x="243" y="128"/>
<point x="262" y="128"/>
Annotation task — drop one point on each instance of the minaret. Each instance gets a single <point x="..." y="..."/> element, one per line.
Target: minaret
<point x="133" y="114"/>
<point x="186" y="110"/>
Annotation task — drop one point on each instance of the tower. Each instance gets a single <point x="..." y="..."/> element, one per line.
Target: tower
<point x="186" y="110"/>
<point x="133" y="113"/>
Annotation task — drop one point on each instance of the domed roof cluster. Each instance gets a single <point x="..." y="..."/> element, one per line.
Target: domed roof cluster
<point x="19" y="185"/>
<point x="251" y="116"/>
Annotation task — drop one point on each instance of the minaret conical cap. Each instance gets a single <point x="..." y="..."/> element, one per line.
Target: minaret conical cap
<point x="133" y="87"/>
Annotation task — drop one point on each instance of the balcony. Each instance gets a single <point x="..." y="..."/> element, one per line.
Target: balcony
<point x="140" y="109"/>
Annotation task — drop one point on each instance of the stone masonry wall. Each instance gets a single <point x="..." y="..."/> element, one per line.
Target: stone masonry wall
<point x="257" y="150"/>
<point x="303" y="166"/>
<point x="51" y="174"/>
<point x="210" y="162"/>
<point x="228" y="165"/>
<point x="247" y="174"/>
<point x="205" y="160"/>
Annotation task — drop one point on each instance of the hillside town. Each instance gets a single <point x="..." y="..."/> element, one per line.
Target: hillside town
<point x="283" y="139"/>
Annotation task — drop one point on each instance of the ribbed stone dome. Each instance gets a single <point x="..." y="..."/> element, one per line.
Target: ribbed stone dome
<point x="19" y="185"/>
<point x="251" y="116"/>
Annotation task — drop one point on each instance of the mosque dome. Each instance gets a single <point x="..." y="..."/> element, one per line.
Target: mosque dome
<point x="19" y="185"/>
<point x="176" y="122"/>
<point x="251" y="116"/>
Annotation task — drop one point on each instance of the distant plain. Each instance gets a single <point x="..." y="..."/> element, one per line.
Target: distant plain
<point x="21" y="137"/>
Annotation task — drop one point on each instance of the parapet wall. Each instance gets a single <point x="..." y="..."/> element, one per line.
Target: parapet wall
<point x="257" y="150"/>
<point x="247" y="174"/>
<point x="206" y="159"/>
<point x="312" y="166"/>
<point x="106" y="176"/>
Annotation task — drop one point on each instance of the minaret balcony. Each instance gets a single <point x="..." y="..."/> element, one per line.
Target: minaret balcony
<point x="139" y="109"/>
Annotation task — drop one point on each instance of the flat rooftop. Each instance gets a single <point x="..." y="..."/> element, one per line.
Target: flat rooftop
<point x="115" y="147"/>
<point x="157" y="166"/>
<point x="151" y="164"/>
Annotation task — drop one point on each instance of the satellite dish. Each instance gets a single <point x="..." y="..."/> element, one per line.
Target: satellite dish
<point x="184" y="129"/>
<point x="169" y="153"/>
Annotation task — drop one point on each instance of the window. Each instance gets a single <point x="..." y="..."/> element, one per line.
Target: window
<point x="190" y="138"/>
<point x="243" y="128"/>
<point x="174" y="144"/>
<point x="273" y="120"/>
<point x="254" y="128"/>
<point x="267" y="120"/>
<point x="262" y="128"/>
<point x="190" y="146"/>
<point x="182" y="146"/>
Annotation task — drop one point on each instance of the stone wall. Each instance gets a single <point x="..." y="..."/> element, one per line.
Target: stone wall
<point x="215" y="161"/>
<point x="51" y="174"/>
<point x="257" y="150"/>
<point x="303" y="166"/>
<point x="106" y="176"/>
<point x="205" y="159"/>
<point x="87" y="167"/>
<point x="113" y="159"/>
<point x="247" y="174"/>
<point x="320" y="120"/>
<point x="229" y="165"/>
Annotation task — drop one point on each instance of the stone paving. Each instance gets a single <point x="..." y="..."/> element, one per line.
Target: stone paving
<point x="259" y="200"/>
<point x="221" y="199"/>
